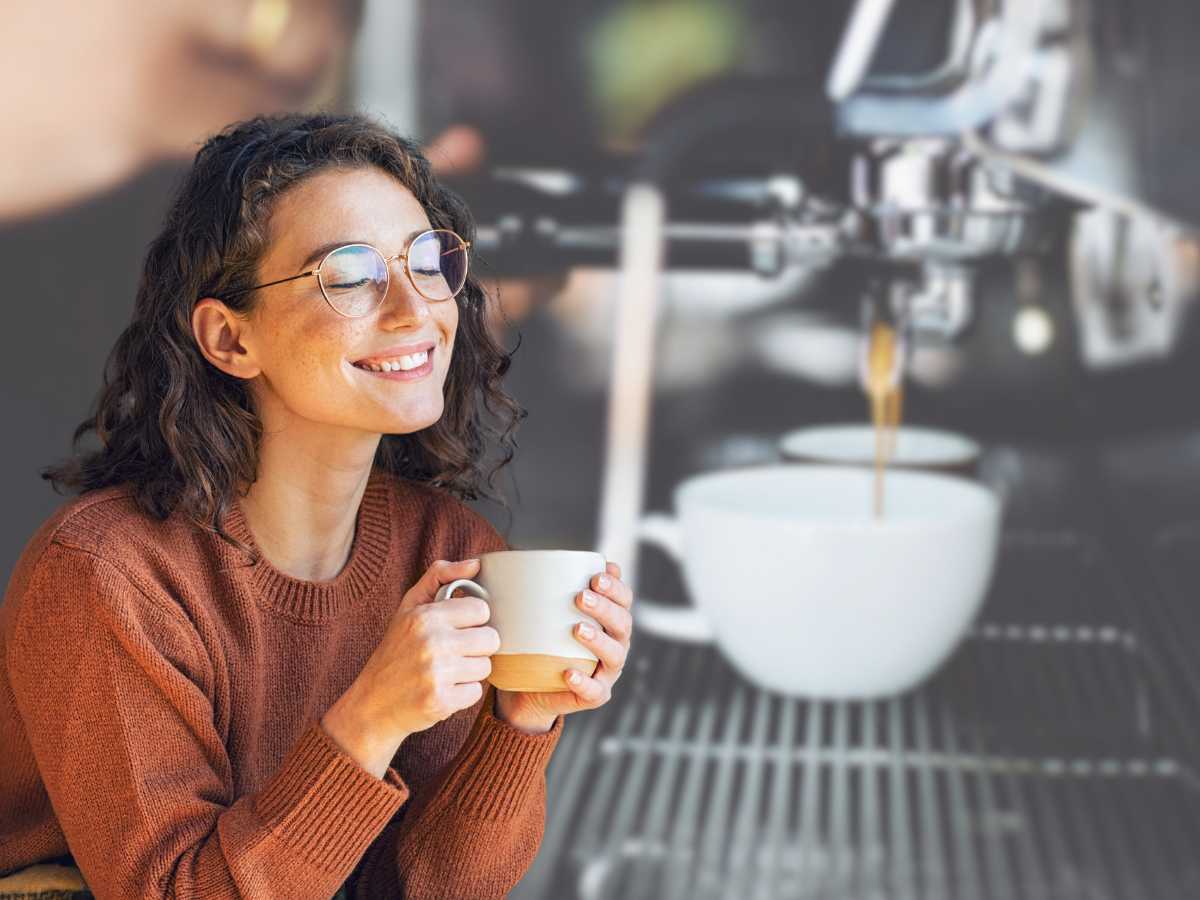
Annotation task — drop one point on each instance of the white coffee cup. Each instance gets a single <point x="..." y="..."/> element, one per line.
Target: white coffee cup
<point x="531" y="594"/>
<point x="807" y="593"/>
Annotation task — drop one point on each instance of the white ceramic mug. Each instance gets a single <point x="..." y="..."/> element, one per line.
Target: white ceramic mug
<point x="807" y="593"/>
<point x="531" y="594"/>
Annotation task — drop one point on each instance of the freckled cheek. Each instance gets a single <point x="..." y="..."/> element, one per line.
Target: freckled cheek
<point x="314" y="359"/>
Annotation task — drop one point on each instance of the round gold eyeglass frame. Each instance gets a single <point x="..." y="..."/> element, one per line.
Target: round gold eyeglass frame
<point x="464" y="246"/>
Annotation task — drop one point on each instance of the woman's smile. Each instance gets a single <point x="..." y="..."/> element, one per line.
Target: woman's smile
<point x="407" y="362"/>
<point x="408" y="367"/>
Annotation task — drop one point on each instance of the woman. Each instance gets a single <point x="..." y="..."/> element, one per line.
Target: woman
<point x="222" y="673"/>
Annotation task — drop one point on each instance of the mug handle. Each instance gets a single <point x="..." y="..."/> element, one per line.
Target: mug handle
<point x="677" y="623"/>
<point x="475" y="590"/>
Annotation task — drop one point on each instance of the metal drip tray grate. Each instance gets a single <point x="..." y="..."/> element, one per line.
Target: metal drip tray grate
<point x="1042" y="761"/>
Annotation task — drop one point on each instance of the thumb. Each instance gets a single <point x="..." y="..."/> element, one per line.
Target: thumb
<point x="439" y="573"/>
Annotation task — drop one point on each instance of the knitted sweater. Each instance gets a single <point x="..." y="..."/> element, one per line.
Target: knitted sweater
<point x="160" y="705"/>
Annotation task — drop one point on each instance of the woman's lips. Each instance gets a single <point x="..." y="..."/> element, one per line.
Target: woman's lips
<point x="404" y="375"/>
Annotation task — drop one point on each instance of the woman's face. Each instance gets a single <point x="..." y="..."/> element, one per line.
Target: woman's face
<point x="307" y="352"/>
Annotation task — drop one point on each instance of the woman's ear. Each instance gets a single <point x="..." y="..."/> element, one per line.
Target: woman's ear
<point x="220" y="333"/>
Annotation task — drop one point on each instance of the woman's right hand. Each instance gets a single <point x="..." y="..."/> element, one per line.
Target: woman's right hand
<point x="430" y="663"/>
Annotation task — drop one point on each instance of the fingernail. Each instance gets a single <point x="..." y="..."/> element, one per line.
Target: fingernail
<point x="573" y="677"/>
<point x="472" y="559"/>
<point x="586" y="631"/>
<point x="604" y="582"/>
<point x="588" y="600"/>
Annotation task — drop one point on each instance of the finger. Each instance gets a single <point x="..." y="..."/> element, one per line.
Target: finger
<point x="462" y="612"/>
<point x="588" y="691"/>
<point x="616" y="620"/>
<point x="481" y="641"/>
<point x="612" y="569"/>
<point x="613" y="588"/>
<point x="472" y="668"/>
<point x="440" y="572"/>
<point x="605" y="678"/>
<point x="611" y="652"/>
<point x="464" y="696"/>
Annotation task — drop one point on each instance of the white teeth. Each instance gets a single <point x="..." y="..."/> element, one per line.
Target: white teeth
<point x="400" y="364"/>
<point x="412" y="362"/>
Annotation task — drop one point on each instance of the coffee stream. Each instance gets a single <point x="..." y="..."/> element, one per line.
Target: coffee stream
<point x="886" y="396"/>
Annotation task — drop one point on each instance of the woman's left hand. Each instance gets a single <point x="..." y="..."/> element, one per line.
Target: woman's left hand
<point x="610" y="602"/>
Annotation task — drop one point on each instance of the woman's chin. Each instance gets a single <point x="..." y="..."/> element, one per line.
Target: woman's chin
<point x="413" y="418"/>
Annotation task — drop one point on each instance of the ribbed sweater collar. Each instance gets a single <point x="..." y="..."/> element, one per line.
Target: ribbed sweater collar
<point x="318" y="601"/>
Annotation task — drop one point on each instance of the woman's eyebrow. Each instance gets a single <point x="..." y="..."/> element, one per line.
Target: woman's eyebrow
<point x="319" y="253"/>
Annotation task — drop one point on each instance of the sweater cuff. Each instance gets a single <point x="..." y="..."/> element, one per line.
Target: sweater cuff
<point x="499" y="766"/>
<point x="325" y="805"/>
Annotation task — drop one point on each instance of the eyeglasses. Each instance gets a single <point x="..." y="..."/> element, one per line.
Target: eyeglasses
<point x="354" y="277"/>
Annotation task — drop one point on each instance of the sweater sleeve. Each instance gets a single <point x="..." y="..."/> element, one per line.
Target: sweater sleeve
<point x="475" y="821"/>
<point x="475" y="826"/>
<point x="114" y="690"/>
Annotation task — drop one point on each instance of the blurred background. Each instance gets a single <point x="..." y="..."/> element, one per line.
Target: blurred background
<point x="688" y="210"/>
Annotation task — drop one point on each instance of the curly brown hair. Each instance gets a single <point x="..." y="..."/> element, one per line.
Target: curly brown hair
<point x="185" y="434"/>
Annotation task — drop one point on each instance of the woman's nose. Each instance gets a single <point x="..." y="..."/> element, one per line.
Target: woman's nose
<point x="402" y="303"/>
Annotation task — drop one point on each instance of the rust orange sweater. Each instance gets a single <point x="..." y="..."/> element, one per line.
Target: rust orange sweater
<point x="160" y="700"/>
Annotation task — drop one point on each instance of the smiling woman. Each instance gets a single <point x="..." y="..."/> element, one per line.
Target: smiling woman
<point x="222" y="669"/>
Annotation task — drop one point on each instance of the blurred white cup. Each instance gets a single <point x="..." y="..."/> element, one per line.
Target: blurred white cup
<point x="807" y="593"/>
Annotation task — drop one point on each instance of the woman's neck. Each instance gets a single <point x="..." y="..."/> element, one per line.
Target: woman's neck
<point x="302" y="509"/>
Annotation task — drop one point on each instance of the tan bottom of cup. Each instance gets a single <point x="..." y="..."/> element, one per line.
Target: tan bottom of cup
<point x="535" y="671"/>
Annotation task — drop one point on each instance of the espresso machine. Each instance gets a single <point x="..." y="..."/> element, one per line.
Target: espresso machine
<point x="1009" y="181"/>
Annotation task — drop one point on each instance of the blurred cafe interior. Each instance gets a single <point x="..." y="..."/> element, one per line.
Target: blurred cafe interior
<point x="697" y="218"/>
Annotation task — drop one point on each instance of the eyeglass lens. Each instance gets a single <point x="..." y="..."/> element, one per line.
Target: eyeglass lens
<point x="355" y="278"/>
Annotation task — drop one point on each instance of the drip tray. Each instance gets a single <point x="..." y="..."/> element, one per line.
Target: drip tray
<point x="926" y="833"/>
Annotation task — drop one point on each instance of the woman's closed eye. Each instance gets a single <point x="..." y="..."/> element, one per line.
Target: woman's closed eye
<point x="349" y="285"/>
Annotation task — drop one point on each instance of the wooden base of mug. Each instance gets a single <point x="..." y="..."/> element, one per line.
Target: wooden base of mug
<point x="535" y="671"/>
